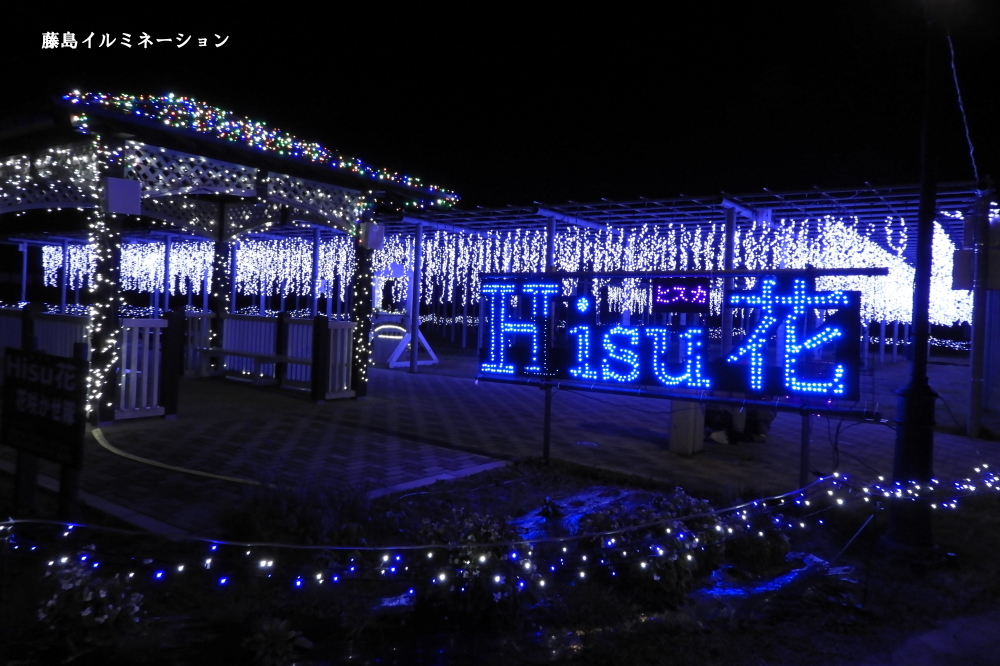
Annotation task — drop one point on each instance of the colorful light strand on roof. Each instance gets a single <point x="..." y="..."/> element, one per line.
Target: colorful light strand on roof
<point x="193" y="115"/>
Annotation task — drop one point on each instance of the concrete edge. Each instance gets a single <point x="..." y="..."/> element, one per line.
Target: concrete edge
<point x="130" y="516"/>
<point x="447" y="476"/>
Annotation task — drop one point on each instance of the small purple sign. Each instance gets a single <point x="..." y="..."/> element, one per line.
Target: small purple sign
<point x="681" y="294"/>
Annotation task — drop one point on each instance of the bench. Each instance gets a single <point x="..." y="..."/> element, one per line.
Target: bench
<point x="258" y="358"/>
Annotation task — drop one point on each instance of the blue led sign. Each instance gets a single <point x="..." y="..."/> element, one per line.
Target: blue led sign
<point x="787" y="351"/>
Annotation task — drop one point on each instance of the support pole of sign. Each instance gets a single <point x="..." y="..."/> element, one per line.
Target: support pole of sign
<point x="415" y="282"/>
<point x="69" y="476"/>
<point x="805" y="434"/>
<point x="547" y="421"/>
<point x="26" y="471"/>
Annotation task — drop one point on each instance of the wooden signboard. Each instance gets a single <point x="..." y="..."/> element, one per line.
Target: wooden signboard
<point x="44" y="412"/>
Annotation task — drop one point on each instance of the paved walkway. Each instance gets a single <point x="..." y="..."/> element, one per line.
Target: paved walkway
<point x="441" y="424"/>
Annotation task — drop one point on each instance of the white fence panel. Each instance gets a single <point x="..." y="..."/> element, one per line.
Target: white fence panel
<point x="341" y="350"/>
<point x="249" y="334"/>
<point x="58" y="333"/>
<point x="139" y="369"/>
<point x="300" y="345"/>
<point x="199" y="336"/>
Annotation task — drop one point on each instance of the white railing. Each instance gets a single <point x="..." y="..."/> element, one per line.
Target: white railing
<point x="139" y="369"/>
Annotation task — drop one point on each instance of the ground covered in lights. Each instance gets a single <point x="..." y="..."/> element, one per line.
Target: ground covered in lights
<point x="524" y="564"/>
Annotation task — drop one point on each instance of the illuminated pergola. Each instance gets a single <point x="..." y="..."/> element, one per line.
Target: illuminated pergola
<point x="167" y="189"/>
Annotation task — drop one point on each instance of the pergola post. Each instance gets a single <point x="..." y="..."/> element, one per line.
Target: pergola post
<point x="105" y="326"/>
<point x="223" y="277"/>
<point x="418" y="256"/>
<point x="362" y="317"/>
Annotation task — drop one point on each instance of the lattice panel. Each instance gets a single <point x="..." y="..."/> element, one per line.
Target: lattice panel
<point x="336" y="204"/>
<point x="61" y="178"/>
<point x="241" y="217"/>
<point x="189" y="215"/>
<point x="164" y="171"/>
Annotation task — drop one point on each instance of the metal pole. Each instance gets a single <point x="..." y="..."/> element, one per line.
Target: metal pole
<point x="895" y="339"/>
<point x="881" y="342"/>
<point x="981" y="225"/>
<point x="315" y="273"/>
<point x="167" y="246"/>
<point x="910" y="529"/>
<point x="465" y="316"/>
<point x="418" y="257"/>
<point x="550" y="246"/>
<point x="728" y="259"/>
<point x="65" y="277"/>
<point x="233" y="249"/>
<point x="24" y="272"/>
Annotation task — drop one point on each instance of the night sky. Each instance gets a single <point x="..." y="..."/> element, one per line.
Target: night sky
<point x="521" y="105"/>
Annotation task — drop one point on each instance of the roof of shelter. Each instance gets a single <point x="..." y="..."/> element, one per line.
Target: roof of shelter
<point x="193" y="126"/>
<point x="869" y="205"/>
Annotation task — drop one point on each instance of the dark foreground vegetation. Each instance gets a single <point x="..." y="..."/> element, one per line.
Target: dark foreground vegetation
<point x="524" y="564"/>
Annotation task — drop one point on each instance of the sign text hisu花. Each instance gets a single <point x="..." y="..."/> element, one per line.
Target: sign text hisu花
<point x="788" y="351"/>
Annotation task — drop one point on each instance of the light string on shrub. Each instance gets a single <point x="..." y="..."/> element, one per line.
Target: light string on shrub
<point x="526" y="563"/>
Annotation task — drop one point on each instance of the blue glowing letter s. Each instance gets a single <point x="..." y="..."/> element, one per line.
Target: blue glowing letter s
<point x="629" y="357"/>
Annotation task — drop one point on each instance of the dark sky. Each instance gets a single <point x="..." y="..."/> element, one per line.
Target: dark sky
<point x="519" y="105"/>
